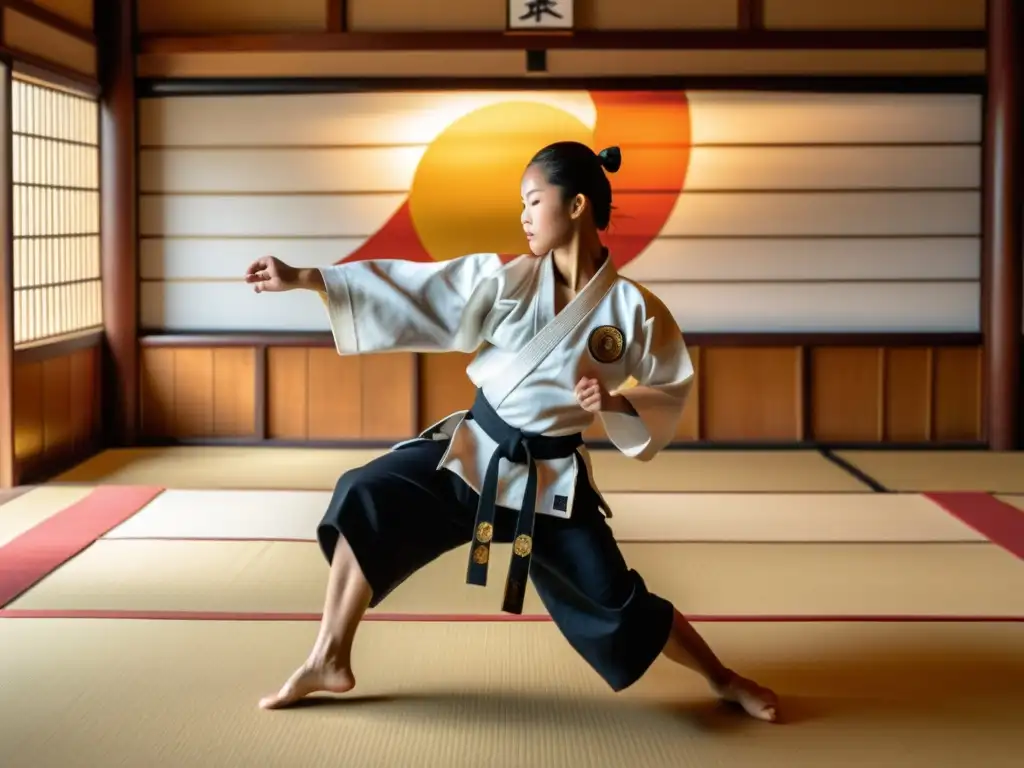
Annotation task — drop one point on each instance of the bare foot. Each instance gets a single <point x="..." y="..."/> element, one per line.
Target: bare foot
<point x="757" y="701"/>
<point x="307" y="679"/>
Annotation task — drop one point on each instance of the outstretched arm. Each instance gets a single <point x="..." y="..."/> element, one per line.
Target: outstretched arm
<point x="642" y="419"/>
<point x="391" y="305"/>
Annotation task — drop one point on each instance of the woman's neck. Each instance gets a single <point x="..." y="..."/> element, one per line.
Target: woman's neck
<point x="578" y="262"/>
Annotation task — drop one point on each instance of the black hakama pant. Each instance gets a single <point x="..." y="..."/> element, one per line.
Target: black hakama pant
<point x="399" y="512"/>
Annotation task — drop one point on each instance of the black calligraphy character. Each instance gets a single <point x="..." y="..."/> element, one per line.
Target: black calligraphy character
<point x="537" y="8"/>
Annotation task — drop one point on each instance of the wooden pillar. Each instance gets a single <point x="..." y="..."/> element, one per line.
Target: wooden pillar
<point x="8" y="469"/>
<point x="115" y="33"/>
<point x="1002" y="239"/>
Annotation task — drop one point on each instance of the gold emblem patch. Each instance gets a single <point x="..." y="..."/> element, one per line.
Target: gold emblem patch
<point x="523" y="545"/>
<point x="484" y="531"/>
<point x="606" y="344"/>
<point x="480" y="555"/>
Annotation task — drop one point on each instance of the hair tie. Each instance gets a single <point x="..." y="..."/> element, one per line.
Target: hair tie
<point x="611" y="159"/>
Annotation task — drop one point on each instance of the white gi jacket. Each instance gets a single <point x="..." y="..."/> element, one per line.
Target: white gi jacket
<point x="477" y="303"/>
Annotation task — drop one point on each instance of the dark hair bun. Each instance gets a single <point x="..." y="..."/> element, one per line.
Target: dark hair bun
<point x="611" y="159"/>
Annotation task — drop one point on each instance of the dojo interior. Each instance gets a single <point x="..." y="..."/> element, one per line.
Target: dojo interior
<point x="826" y="195"/>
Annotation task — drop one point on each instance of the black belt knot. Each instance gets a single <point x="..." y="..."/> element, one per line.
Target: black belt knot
<point x="518" y="447"/>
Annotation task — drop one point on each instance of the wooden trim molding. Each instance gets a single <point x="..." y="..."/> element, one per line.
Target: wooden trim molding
<point x="52" y="348"/>
<point x="212" y="86"/>
<point x="712" y="39"/>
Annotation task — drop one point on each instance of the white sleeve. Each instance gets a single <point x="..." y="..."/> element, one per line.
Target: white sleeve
<point x="390" y="305"/>
<point x="661" y="366"/>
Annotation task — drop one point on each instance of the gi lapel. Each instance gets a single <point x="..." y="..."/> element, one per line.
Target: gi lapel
<point x="501" y="383"/>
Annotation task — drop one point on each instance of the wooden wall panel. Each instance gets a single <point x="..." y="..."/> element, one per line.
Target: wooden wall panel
<point x="315" y="394"/>
<point x="56" y="407"/>
<point x="335" y="395"/>
<point x="908" y="395"/>
<point x="28" y="411"/>
<point x="198" y="392"/>
<point x="752" y="394"/>
<point x="426" y="15"/>
<point x="957" y="394"/>
<point x="444" y="386"/>
<point x="875" y="14"/>
<point x="226" y="16"/>
<point x="81" y="12"/>
<point x="35" y="38"/>
<point x="194" y="386"/>
<point x="156" y="391"/>
<point x="234" y="400"/>
<point x="657" y="14"/>
<point x="287" y="401"/>
<point x="389" y="384"/>
<point x="847" y="394"/>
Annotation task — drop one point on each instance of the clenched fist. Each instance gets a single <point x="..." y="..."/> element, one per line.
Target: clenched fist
<point x="270" y="274"/>
<point x="591" y="395"/>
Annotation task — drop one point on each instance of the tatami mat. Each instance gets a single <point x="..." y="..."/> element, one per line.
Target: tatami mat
<point x="989" y="471"/>
<point x="706" y="579"/>
<point x="294" y="515"/>
<point x="21" y="514"/>
<point x="318" y="469"/>
<point x="173" y="694"/>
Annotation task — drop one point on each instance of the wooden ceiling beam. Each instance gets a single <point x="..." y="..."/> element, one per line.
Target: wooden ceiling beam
<point x="737" y="39"/>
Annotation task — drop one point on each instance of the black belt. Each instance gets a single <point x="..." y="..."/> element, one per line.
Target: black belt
<point x="520" y="448"/>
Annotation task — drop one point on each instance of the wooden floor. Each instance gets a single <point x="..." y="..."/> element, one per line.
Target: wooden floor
<point x="171" y="588"/>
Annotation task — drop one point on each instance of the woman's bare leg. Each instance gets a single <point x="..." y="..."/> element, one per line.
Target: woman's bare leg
<point x="329" y="666"/>
<point x="686" y="647"/>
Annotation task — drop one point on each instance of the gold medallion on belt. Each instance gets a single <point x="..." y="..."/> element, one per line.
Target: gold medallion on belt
<point x="523" y="545"/>
<point x="484" y="531"/>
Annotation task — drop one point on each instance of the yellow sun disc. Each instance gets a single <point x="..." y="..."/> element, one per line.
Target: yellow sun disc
<point x="465" y="194"/>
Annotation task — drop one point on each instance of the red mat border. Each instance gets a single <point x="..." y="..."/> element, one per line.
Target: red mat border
<point x="999" y="522"/>
<point x="481" y="618"/>
<point x="39" y="551"/>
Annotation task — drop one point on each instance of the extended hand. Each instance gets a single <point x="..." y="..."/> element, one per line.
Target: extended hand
<point x="270" y="274"/>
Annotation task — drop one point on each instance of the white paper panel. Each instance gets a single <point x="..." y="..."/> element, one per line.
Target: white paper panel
<point x="771" y="196"/>
<point x="774" y="168"/>
<point x="831" y="214"/>
<point x="417" y="117"/>
<point x="683" y="259"/>
<point x="266" y="216"/>
<point x="392" y="169"/>
<point x="212" y="259"/>
<point x="666" y="259"/>
<point x="337" y="119"/>
<point x="696" y="213"/>
<point x="810" y="118"/>
<point x="232" y="306"/>
<point x="364" y="169"/>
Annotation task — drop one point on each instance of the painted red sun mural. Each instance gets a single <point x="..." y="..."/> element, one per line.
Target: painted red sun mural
<point x="465" y="191"/>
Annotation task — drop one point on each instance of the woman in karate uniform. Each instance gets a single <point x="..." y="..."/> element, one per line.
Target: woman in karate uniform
<point x="557" y="332"/>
